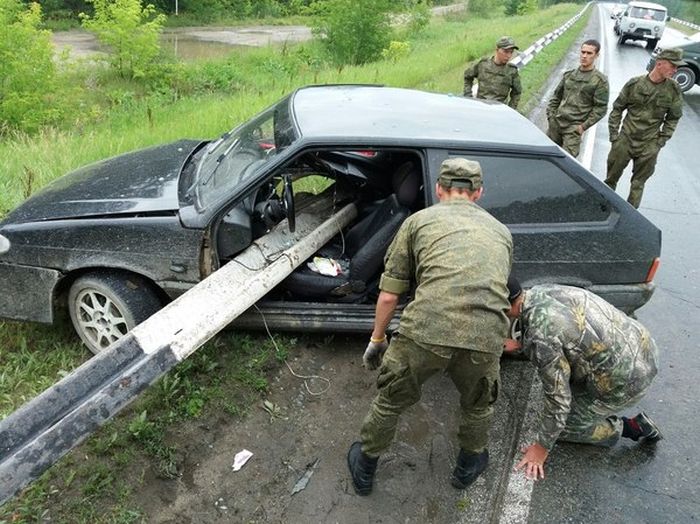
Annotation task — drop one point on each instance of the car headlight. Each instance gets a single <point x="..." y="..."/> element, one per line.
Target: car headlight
<point x="656" y="28"/>
<point x="4" y="244"/>
<point x="632" y="25"/>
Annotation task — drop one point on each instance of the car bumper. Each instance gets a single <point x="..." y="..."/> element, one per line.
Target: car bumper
<point x="627" y="297"/>
<point x="27" y="292"/>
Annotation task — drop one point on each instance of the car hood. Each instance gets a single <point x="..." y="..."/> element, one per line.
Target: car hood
<point x="144" y="181"/>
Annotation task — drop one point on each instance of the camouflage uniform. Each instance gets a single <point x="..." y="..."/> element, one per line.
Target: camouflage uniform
<point x="459" y="256"/>
<point x="653" y="111"/>
<point x="496" y="82"/>
<point x="580" y="98"/>
<point x="593" y="361"/>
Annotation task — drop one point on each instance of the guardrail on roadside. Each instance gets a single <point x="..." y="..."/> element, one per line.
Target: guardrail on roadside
<point x="525" y="56"/>
<point x="686" y="23"/>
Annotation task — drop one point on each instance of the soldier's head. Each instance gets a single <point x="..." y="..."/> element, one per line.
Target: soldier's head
<point x="459" y="178"/>
<point x="588" y="54"/>
<point x="504" y="50"/>
<point x="667" y="63"/>
<point x="516" y="296"/>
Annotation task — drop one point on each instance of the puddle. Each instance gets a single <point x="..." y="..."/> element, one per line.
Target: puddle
<point x="191" y="43"/>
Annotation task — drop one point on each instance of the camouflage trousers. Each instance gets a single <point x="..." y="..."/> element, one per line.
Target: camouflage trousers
<point x="595" y="421"/>
<point x="405" y="368"/>
<point x="567" y="137"/>
<point x="643" y="165"/>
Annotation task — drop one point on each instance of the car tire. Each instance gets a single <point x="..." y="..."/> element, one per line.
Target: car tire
<point x="621" y="40"/>
<point x="106" y="306"/>
<point x="685" y="77"/>
<point x="651" y="44"/>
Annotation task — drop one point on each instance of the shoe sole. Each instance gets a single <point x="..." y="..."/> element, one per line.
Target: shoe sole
<point x="655" y="434"/>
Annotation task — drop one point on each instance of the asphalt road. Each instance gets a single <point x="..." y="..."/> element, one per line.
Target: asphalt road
<point x="632" y="483"/>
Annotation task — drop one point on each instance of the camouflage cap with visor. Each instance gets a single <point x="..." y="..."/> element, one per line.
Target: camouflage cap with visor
<point x="673" y="55"/>
<point x="460" y="173"/>
<point x="506" y="42"/>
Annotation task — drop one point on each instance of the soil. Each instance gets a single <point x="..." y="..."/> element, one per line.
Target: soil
<point x="412" y="483"/>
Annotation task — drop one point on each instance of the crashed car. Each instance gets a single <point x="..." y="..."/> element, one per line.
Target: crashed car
<point x="114" y="241"/>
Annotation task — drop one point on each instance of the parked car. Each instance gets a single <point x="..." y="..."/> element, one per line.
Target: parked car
<point x="116" y="240"/>
<point x="644" y="21"/>
<point x="688" y="75"/>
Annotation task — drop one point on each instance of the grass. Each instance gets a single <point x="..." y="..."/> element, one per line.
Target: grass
<point x="99" y="481"/>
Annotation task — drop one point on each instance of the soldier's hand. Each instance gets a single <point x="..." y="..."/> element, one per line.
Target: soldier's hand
<point x="374" y="353"/>
<point x="533" y="461"/>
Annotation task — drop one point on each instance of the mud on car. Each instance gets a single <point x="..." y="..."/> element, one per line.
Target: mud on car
<point x="114" y="241"/>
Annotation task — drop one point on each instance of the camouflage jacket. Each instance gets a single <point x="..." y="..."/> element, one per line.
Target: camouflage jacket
<point x="496" y="82"/>
<point x="653" y="111"/>
<point x="458" y="256"/>
<point x="581" y="343"/>
<point x="580" y="98"/>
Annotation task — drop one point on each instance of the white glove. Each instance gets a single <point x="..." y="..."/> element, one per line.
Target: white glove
<point x="374" y="353"/>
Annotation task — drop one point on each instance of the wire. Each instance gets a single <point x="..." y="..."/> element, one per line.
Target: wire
<point x="305" y="378"/>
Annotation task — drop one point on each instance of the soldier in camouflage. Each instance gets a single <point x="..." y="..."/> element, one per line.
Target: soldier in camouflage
<point x="654" y="106"/>
<point x="579" y="101"/>
<point x="497" y="79"/>
<point x="593" y="361"/>
<point x="457" y="258"/>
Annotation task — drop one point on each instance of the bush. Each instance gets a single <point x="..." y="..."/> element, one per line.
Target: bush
<point x="27" y="70"/>
<point x="130" y="30"/>
<point x="354" y="31"/>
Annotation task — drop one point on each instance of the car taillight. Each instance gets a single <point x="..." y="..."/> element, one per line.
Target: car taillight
<point x="652" y="269"/>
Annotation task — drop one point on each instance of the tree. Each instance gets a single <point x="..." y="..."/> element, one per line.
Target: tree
<point x="130" y="30"/>
<point x="27" y="70"/>
<point x="354" y="31"/>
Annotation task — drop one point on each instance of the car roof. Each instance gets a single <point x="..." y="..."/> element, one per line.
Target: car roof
<point x="410" y="117"/>
<point x="647" y="5"/>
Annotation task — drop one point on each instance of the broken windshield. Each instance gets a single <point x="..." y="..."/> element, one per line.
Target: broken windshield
<point x="238" y="154"/>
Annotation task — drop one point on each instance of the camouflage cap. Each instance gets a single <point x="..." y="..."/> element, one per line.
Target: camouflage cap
<point x="673" y="55"/>
<point x="460" y="173"/>
<point x="506" y="42"/>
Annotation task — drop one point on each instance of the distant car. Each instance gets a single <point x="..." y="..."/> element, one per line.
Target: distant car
<point x="616" y="12"/>
<point x="116" y="240"/>
<point x="688" y="75"/>
<point x="643" y="21"/>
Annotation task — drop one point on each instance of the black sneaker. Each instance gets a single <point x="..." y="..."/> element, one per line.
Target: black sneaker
<point x="650" y="431"/>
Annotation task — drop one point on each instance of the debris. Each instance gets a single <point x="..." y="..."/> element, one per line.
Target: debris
<point x="325" y="266"/>
<point x="240" y="459"/>
<point x="304" y="480"/>
<point x="273" y="409"/>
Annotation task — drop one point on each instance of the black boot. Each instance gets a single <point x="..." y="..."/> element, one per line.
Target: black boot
<point x="362" y="468"/>
<point x="469" y="467"/>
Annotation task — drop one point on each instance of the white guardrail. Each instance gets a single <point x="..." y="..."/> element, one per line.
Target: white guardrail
<point x="685" y="23"/>
<point x="40" y="432"/>
<point x="526" y="56"/>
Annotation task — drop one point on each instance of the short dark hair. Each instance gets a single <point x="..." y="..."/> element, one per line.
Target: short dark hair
<point x="593" y="43"/>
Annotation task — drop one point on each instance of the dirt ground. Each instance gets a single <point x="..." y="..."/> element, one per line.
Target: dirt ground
<point x="412" y="483"/>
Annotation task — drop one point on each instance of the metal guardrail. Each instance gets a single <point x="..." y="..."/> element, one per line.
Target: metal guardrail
<point x="525" y="56"/>
<point x="686" y="23"/>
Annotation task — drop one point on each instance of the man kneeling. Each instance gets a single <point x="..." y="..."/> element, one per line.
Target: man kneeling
<point x="593" y="361"/>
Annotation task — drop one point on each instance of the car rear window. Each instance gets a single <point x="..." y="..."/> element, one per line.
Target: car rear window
<point x="536" y="191"/>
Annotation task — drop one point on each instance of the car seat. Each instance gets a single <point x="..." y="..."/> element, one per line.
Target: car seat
<point x="360" y="251"/>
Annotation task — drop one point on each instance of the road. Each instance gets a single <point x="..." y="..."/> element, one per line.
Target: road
<point x="633" y="483"/>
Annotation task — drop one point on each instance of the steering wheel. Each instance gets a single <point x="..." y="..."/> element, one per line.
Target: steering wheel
<point x="288" y="201"/>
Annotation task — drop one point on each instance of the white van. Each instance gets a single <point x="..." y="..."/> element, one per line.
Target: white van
<point x="642" y="21"/>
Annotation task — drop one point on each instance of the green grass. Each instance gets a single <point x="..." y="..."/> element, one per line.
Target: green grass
<point x="99" y="481"/>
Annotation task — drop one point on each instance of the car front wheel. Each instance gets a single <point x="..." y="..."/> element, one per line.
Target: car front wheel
<point x="106" y="306"/>
<point x="685" y="78"/>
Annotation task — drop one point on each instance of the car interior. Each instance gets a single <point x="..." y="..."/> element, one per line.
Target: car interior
<point x="386" y="187"/>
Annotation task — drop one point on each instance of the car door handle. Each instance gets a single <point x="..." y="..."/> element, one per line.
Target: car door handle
<point x="177" y="267"/>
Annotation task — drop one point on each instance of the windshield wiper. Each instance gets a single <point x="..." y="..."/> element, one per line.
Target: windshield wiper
<point x="220" y="159"/>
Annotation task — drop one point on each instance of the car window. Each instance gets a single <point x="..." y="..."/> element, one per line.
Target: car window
<point x="648" y="14"/>
<point x="536" y="191"/>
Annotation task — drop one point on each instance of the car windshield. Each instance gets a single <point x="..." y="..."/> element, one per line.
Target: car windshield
<point x="237" y="155"/>
<point x="648" y="14"/>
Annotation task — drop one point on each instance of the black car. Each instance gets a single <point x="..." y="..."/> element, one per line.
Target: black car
<point x="116" y="240"/>
<point x="688" y="75"/>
